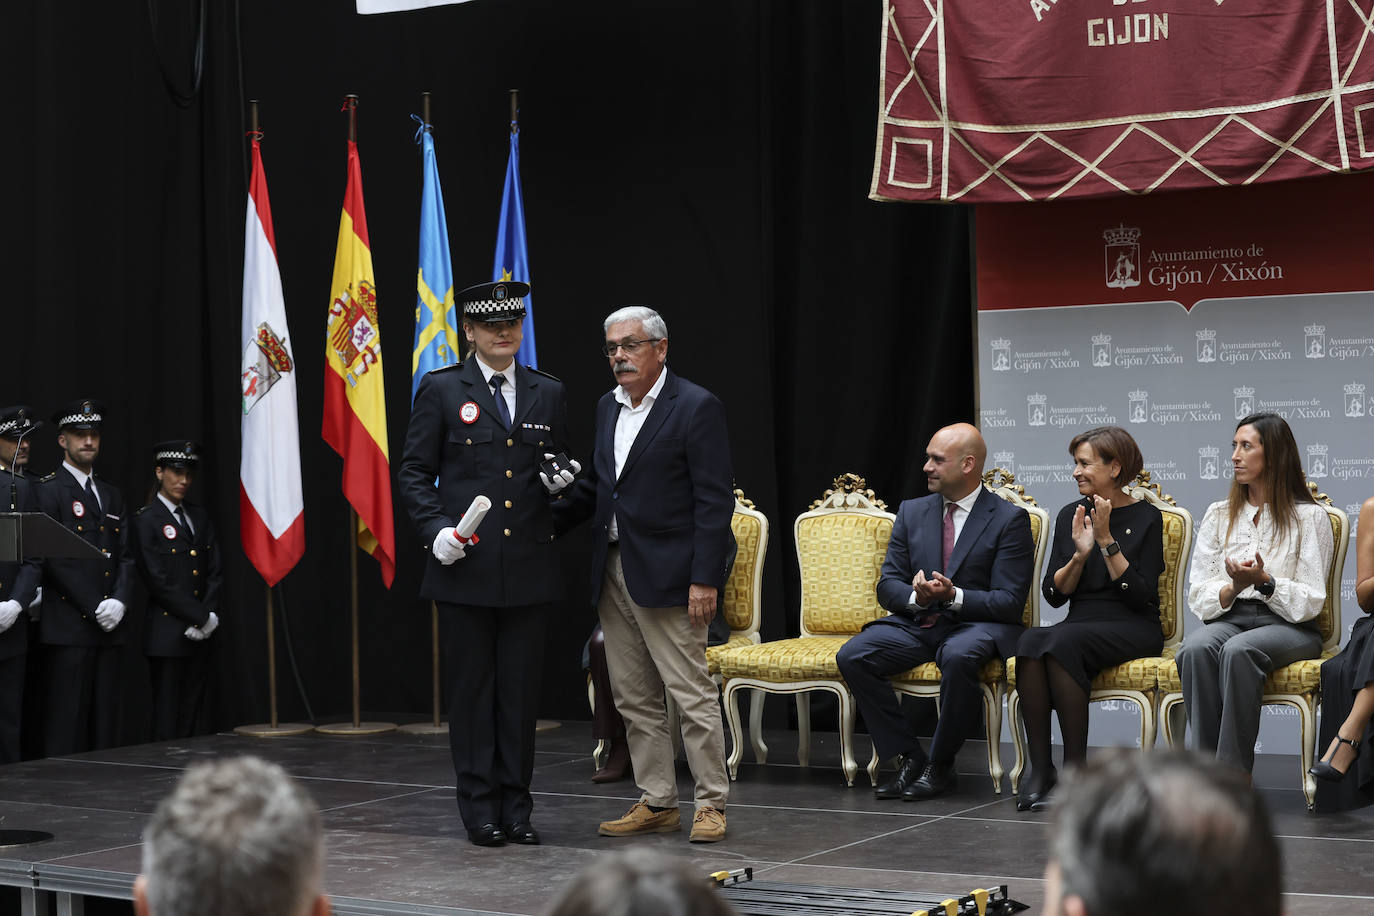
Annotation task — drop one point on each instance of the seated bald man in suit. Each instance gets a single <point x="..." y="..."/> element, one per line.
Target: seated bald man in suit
<point x="955" y="578"/>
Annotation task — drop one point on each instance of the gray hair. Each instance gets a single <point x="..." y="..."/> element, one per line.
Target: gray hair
<point x="640" y="882"/>
<point x="654" y="325"/>
<point x="237" y="837"/>
<point x="1142" y="833"/>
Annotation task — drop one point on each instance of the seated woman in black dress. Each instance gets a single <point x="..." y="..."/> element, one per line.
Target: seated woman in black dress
<point x="1106" y="558"/>
<point x="1348" y="694"/>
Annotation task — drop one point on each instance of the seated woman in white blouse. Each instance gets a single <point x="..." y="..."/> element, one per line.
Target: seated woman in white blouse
<point x="1258" y="583"/>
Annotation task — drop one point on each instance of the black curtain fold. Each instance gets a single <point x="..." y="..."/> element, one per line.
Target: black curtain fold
<point x="709" y="159"/>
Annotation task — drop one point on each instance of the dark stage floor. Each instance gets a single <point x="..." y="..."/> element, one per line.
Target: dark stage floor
<point x="395" y="844"/>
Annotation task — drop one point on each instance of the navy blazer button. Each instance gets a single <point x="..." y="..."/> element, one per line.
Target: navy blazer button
<point x="79" y="528"/>
<point x="508" y="473"/>
<point x="468" y="442"/>
<point x="508" y="504"/>
<point x="174" y="550"/>
<point x="195" y="572"/>
<point x="107" y="574"/>
<point x="507" y="532"/>
<point x="509" y="443"/>
<point x="193" y="552"/>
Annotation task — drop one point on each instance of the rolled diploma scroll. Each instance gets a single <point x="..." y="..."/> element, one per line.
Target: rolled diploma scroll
<point x="463" y="532"/>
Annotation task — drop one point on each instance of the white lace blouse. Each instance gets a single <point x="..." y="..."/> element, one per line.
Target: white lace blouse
<point x="1298" y="562"/>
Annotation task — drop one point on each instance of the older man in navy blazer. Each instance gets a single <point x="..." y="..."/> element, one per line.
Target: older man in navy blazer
<point x="955" y="579"/>
<point x="660" y="484"/>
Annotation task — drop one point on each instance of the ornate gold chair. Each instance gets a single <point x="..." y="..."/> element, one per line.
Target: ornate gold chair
<point x="741" y="601"/>
<point x="1294" y="685"/>
<point x="1136" y="681"/>
<point x="924" y="680"/>
<point x="841" y="542"/>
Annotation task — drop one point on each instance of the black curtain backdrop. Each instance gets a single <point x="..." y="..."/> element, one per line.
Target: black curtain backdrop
<point x="710" y="159"/>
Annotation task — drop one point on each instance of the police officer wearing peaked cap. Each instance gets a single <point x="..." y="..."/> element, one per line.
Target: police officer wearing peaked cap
<point x="16" y="424"/>
<point x="178" y="557"/>
<point x="84" y="600"/>
<point x="18" y="582"/>
<point x="483" y="427"/>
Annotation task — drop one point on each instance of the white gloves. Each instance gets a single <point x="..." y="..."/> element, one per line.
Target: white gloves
<point x="204" y="630"/>
<point x="447" y="548"/>
<point x="563" y="478"/>
<point x="9" y="613"/>
<point x="37" y="599"/>
<point x="109" y="613"/>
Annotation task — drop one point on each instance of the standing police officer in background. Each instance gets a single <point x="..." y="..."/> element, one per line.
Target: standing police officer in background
<point x="483" y="427"/>
<point x="18" y="582"/>
<point x="174" y="546"/>
<point x="84" y="601"/>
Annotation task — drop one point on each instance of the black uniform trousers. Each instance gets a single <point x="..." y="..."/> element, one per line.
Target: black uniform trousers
<point x="85" y="682"/>
<point x="886" y="647"/>
<point x="178" y="693"/>
<point x="12" y="673"/>
<point x="494" y="657"/>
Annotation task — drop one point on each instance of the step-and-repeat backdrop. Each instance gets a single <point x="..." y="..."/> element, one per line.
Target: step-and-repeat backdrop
<point x="1173" y="316"/>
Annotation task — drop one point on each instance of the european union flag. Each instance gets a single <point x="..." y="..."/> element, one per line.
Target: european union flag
<point x="512" y="256"/>
<point x="436" y="324"/>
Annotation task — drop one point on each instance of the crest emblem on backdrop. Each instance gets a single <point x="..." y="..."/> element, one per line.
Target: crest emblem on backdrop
<point x="1122" y="257"/>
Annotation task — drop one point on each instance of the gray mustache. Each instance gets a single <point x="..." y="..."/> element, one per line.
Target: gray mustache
<point x="623" y="365"/>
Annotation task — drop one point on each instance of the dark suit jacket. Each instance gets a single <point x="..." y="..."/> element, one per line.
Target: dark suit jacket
<point x="993" y="563"/>
<point x="515" y="561"/>
<point x="672" y="501"/>
<point x="72" y="588"/>
<point x="18" y="581"/>
<point x="180" y="574"/>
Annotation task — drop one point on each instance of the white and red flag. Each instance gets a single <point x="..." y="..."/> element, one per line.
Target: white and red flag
<point x="271" y="508"/>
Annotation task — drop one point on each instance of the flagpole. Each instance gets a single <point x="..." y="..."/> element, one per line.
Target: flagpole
<point x="358" y="728"/>
<point x="273" y="729"/>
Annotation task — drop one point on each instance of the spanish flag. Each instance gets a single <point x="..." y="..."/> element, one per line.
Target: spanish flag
<point x="354" y="394"/>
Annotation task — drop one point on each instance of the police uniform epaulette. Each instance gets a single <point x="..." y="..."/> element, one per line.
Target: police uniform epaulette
<point x="142" y="509"/>
<point x="49" y="477"/>
<point x="548" y="375"/>
<point x="445" y="368"/>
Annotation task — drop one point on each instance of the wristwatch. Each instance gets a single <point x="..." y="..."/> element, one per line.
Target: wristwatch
<point x="1110" y="550"/>
<point x="1266" y="588"/>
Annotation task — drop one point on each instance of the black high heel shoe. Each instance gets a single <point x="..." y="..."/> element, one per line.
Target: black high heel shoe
<point x="1324" y="770"/>
<point x="1038" y="799"/>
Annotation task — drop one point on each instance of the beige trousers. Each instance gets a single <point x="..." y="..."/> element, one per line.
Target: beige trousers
<point x="649" y="650"/>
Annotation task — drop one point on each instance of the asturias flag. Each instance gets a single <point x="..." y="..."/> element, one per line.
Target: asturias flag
<point x="436" y="324"/>
<point x="271" y="509"/>
<point x="512" y="257"/>
<point x="354" y="394"/>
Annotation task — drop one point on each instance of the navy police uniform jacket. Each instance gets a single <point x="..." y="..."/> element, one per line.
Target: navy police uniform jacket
<point x="72" y="588"/>
<point x="18" y="581"/>
<point x="456" y="436"/>
<point x="181" y="575"/>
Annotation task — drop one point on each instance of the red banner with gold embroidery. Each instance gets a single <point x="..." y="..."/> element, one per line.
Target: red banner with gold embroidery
<point x="1005" y="100"/>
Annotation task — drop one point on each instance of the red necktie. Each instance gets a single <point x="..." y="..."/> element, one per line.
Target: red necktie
<point x="947" y="541"/>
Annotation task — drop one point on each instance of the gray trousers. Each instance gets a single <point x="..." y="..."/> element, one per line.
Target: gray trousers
<point x="1223" y="666"/>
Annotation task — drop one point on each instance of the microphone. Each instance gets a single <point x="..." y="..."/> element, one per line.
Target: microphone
<point x="14" y="487"/>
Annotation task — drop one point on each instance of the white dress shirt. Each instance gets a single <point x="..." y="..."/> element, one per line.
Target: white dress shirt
<point x="81" y="478"/>
<point x="507" y="388"/>
<point x="172" y="508"/>
<point x="628" y="423"/>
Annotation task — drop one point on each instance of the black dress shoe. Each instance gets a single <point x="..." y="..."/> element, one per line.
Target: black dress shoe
<point x="522" y="833"/>
<point x="908" y="771"/>
<point x="486" y="835"/>
<point x="1039" y="799"/>
<point x="1323" y="768"/>
<point x="936" y="779"/>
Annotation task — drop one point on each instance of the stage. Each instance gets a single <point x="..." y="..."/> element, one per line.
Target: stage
<point x="395" y="844"/>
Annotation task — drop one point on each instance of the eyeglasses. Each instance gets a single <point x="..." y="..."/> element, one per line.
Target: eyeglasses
<point x="631" y="347"/>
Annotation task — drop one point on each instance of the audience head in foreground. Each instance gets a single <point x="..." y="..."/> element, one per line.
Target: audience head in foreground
<point x="1159" y="832"/>
<point x="237" y="837"/>
<point x="640" y="882"/>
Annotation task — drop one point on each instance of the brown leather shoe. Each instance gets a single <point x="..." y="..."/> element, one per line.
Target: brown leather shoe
<point x="617" y="766"/>
<point x="641" y="819"/>
<point x="708" y="825"/>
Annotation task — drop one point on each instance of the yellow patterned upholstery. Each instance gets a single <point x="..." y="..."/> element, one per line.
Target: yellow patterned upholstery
<point x="924" y="680"/>
<point x="840" y="544"/>
<point x="713" y="653"/>
<point x="1295" y="685"/>
<point x="1138" y="680"/>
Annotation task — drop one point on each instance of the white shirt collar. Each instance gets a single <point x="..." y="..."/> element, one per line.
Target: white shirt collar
<point x="171" y="506"/>
<point x="967" y="502"/>
<point x="80" y="475"/>
<point x="623" y="396"/>
<point x="488" y="371"/>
